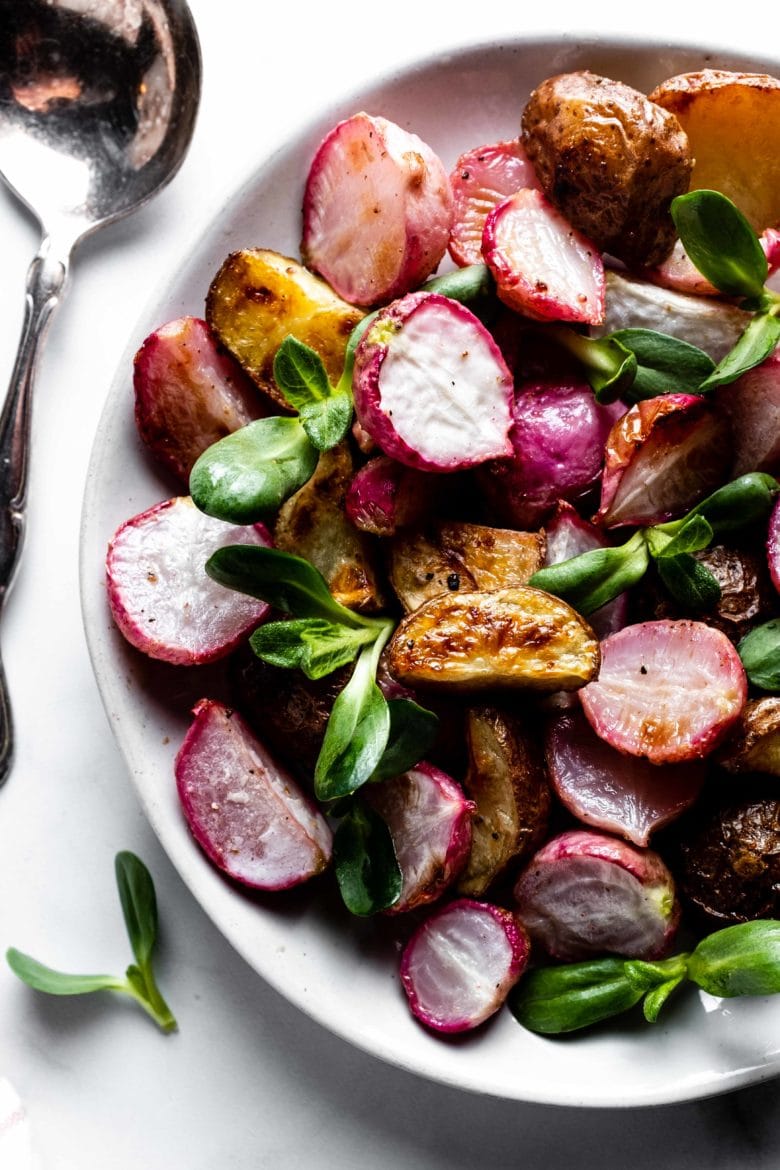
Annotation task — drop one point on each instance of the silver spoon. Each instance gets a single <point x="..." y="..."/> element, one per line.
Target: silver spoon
<point x="97" y="107"/>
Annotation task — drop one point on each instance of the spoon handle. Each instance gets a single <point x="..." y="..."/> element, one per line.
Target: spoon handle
<point x="45" y="282"/>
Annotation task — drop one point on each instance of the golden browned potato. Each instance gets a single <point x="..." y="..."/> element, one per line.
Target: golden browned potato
<point x="312" y="524"/>
<point x="507" y="780"/>
<point x="754" y="745"/>
<point x="452" y="557"/>
<point x="610" y="160"/>
<point x="733" y="125"/>
<point x="258" y="297"/>
<point x="521" y="637"/>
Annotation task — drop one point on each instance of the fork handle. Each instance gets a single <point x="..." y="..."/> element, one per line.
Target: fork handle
<point x="46" y="278"/>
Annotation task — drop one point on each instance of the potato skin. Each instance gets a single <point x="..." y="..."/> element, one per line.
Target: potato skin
<point x="610" y="160"/>
<point x="754" y="745"/>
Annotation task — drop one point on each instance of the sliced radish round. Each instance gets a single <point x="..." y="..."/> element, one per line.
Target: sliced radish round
<point x="460" y="965"/>
<point x="620" y="794"/>
<point x="376" y="211"/>
<point x="431" y="387"/>
<point x="752" y="407"/>
<point x="773" y="546"/>
<point x="160" y="596"/>
<point x="429" y="819"/>
<point x="667" y="690"/>
<point x="247" y="814"/>
<point x="542" y="266"/>
<point x="587" y="894"/>
<point x="481" y="179"/>
<point x="662" y="456"/>
<point x="568" y="535"/>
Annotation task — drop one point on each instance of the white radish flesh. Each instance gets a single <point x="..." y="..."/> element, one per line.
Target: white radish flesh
<point x="431" y="387"/>
<point x="247" y="814"/>
<point x="667" y="690"/>
<point x="376" y="211"/>
<point x="160" y="595"/>
<point x="481" y="179"/>
<point x="543" y="268"/>
<point x="460" y="965"/>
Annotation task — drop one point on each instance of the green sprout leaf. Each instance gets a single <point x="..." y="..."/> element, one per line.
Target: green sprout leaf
<point x="694" y="535"/>
<point x="760" y="654"/>
<point x="325" y="412"/>
<point x="364" y="859"/>
<point x="472" y="285"/>
<point x="721" y="243"/>
<point x="736" y="505"/>
<point x="754" y="346"/>
<point x="739" y="960"/>
<point x="593" y="578"/>
<point x="46" y="979"/>
<point x="664" y="364"/>
<point x="607" y="363"/>
<point x="689" y="582"/>
<point x="412" y="734"/>
<point x="553" y="1000"/>
<point x="313" y="645"/>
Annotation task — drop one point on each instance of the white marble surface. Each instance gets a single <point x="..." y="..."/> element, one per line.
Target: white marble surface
<point x="248" y="1081"/>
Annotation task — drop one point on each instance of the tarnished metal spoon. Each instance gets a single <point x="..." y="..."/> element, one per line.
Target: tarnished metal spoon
<point x="97" y="106"/>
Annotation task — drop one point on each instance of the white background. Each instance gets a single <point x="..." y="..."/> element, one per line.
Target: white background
<point x="248" y="1081"/>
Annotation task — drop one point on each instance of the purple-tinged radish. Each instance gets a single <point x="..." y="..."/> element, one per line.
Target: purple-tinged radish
<point x="773" y="546"/>
<point x="558" y="436"/>
<point x="385" y="496"/>
<point x="160" y="596"/>
<point x="189" y="393"/>
<point x="431" y="387"/>
<point x="662" y="457"/>
<point x="460" y="965"/>
<point x="247" y="813"/>
<point x="588" y="894"/>
<point x="568" y="535"/>
<point x="667" y="691"/>
<point x="481" y="179"/>
<point x="429" y="819"/>
<point x="606" y="790"/>
<point x="377" y="210"/>
<point x="543" y="268"/>
<point x="752" y="407"/>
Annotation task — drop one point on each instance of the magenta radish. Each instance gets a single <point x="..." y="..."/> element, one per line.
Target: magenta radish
<point x="431" y="387"/>
<point x="773" y="546"/>
<point x="662" y="457"/>
<point x="160" y="596"/>
<point x="429" y="820"/>
<point x="568" y="535"/>
<point x="377" y="210"/>
<point x="246" y="813"/>
<point x="188" y="394"/>
<point x="460" y="965"/>
<point x="667" y="691"/>
<point x="385" y="496"/>
<point x="481" y="179"/>
<point x="543" y="268"/>
<point x="606" y="790"/>
<point x="752" y="407"/>
<point x="587" y="894"/>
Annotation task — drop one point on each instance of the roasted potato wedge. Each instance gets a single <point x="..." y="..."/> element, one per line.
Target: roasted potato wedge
<point x="733" y="125"/>
<point x="258" y="297"/>
<point x="312" y="524"/>
<point x="754" y="745"/>
<point x="507" y="780"/>
<point x="610" y="160"/>
<point x="521" y="637"/>
<point x="451" y="557"/>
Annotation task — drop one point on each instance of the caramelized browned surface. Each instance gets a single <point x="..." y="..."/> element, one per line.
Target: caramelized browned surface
<point x="754" y="745"/>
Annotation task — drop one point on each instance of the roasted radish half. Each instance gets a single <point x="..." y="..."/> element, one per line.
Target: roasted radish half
<point x="568" y="535"/>
<point x="385" y="496"/>
<point x="247" y="814"/>
<point x="752" y="407"/>
<point x="483" y="178"/>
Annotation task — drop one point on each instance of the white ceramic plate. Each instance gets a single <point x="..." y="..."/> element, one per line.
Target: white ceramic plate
<point x="339" y="969"/>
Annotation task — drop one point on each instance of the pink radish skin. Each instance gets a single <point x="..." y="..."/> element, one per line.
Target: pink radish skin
<point x="568" y="535"/>
<point x="482" y="178"/>
<point x="460" y="965"/>
<point x="606" y="790"/>
<point x="752" y="408"/>
<point x="679" y="273"/>
<point x="246" y="813"/>
<point x="542" y="266"/>
<point x="429" y="819"/>
<point x="667" y="691"/>
<point x="160" y="596"/>
<point x="384" y="496"/>
<point x="188" y="394"/>
<point x="557" y="437"/>
<point x="586" y="894"/>
<point x="773" y="545"/>
<point x="431" y="387"/>
<point x="377" y="210"/>
<point x="662" y="457"/>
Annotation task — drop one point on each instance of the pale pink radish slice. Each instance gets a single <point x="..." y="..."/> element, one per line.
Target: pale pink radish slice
<point x="481" y="179"/>
<point x="606" y="790"/>
<point x="385" y="496"/>
<point x="160" y="596"/>
<point x="667" y="690"/>
<point x="662" y="457"/>
<point x="587" y="894"/>
<point x="460" y="965"/>
<point x="752" y="407"/>
<point x="377" y="210"/>
<point x="188" y="394"/>
<point x="678" y="272"/>
<point x="429" y="819"/>
<point x="558" y="436"/>
<point x="431" y="387"/>
<point x="568" y="535"/>
<point x="773" y="545"/>
<point x="247" y="813"/>
<point x="543" y="267"/>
